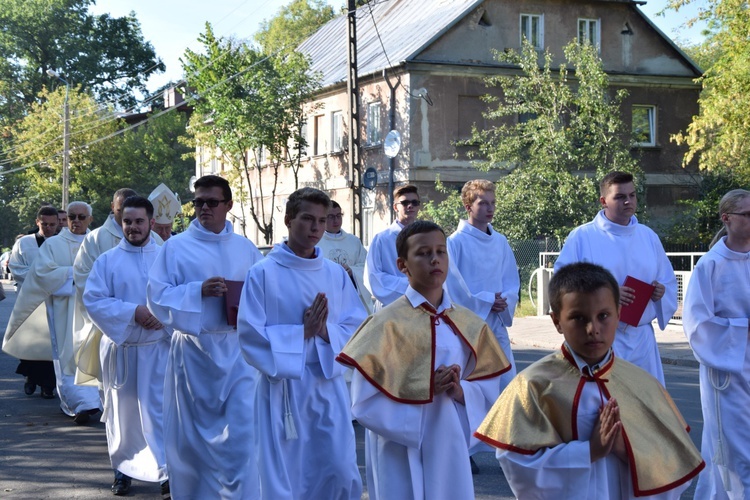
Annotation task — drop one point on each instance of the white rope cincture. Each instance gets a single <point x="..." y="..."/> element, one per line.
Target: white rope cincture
<point x="289" y="427"/>
<point x="720" y="457"/>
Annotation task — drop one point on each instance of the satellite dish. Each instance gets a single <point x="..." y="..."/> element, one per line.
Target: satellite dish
<point x="392" y="144"/>
<point x="191" y="184"/>
<point x="370" y="179"/>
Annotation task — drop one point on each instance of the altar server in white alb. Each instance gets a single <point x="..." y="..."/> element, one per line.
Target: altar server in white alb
<point x="487" y="266"/>
<point x="297" y="312"/>
<point x="50" y="281"/>
<point x="346" y="249"/>
<point x="382" y="276"/>
<point x="85" y="334"/>
<point x="715" y="317"/>
<point x="133" y="351"/>
<point x="616" y="241"/>
<point x="166" y="207"/>
<point x="209" y="415"/>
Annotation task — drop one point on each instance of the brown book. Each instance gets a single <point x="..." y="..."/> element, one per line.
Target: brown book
<point x="232" y="300"/>
<point x="632" y="313"/>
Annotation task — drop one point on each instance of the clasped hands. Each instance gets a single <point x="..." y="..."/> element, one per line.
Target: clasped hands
<point x="448" y="379"/>
<point x="607" y="437"/>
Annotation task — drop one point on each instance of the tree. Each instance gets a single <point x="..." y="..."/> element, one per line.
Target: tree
<point x="105" y="54"/>
<point x="553" y="132"/>
<point x="719" y="136"/>
<point x="292" y="25"/>
<point x="139" y="158"/>
<point x="248" y="112"/>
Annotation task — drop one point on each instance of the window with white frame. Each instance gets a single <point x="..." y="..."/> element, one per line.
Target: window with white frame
<point x="304" y="141"/>
<point x="337" y="131"/>
<point x="644" y="125"/>
<point x="532" y="29"/>
<point x="319" y="146"/>
<point x="373" y="123"/>
<point x="589" y="32"/>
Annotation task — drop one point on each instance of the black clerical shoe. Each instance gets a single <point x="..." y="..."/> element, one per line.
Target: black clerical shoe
<point x="121" y="486"/>
<point x="474" y="466"/>
<point x="165" y="495"/>
<point x="81" y="418"/>
<point x="29" y="387"/>
<point x="47" y="392"/>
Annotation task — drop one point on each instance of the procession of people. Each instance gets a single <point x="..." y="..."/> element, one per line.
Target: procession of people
<point x="221" y="373"/>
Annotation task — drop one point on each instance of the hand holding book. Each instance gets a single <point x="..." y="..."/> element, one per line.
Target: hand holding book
<point x="634" y="300"/>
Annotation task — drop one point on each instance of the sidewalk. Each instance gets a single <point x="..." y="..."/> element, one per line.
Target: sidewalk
<point x="539" y="332"/>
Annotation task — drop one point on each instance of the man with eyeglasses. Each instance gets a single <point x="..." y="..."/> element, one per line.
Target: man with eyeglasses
<point x="98" y="241"/>
<point x="382" y="276"/>
<point x="37" y="372"/>
<point x="209" y="391"/>
<point x="50" y="282"/>
<point x="345" y="249"/>
<point x="616" y="241"/>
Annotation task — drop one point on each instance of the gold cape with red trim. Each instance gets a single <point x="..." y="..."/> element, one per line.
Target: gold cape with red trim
<point x="394" y="349"/>
<point x="535" y="411"/>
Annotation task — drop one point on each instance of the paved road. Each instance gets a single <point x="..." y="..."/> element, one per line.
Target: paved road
<point x="45" y="456"/>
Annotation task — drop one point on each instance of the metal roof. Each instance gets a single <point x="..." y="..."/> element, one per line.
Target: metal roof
<point x="406" y="28"/>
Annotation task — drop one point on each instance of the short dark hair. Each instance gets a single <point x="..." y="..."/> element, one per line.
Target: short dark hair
<point x="614" y="177"/>
<point x="209" y="181"/>
<point x="312" y="195"/>
<point x="335" y="205"/>
<point x="61" y="211"/>
<point x="124" y="193"/>
<point x="580" y="277"/>
<point x="46" y="210"/>
<point x="406" y="189"/>
<point x="416" y="227"/>
<point x="139" y="202"/>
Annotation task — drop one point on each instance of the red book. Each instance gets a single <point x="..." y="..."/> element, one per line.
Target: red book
<point x="632" y="314"/>
<point x="232" y="298"/>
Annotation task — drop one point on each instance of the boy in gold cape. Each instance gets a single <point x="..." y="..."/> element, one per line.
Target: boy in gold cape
<point x="581" y="423"/>
<point x="425" y="372"/>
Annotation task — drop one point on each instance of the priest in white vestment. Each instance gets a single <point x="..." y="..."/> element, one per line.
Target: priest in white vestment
<point x="297" y="312"/>
<point x="97" y="242"/>
<point x="715" y="319"/>
<point x="209" y="410"/>
<point x="616" y="241"/>
<point x="51" y="281"/>
<point x="167" y="206"/>
<point x="382" y="277"/>
<point x="487" y="266"/>
<point x="133" y="351"/>
<point x="25" y="250"/>
<point x="346" y="249"/>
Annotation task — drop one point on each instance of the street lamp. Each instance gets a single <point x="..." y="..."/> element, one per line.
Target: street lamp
<point x="66" y="139"/>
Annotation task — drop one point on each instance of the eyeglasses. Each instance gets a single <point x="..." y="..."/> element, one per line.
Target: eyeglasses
<point x="742" y="214"/>
<point x="335" y="216"/>
<point x="406" y="203"/>
<point x="198" y="203"/>
<point x="77" y="216"/>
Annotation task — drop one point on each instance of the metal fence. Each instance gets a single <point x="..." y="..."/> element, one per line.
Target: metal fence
<point x="535" y="255"/>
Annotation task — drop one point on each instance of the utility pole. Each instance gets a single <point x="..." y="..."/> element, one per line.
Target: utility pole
<point x="352" y="86"/>
<point x="66" y="139"/>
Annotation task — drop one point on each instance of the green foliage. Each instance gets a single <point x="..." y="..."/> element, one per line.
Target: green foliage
<point x="552" y="128"/>
<point x="105" y="54"/>
<point x="292" y="25"/>
<point x="140" y="158"/>
<point x="720" y="136"/>
<point x="448" y="213"/>
<point x="247" y="103"/>
<point x="699" y="220"/>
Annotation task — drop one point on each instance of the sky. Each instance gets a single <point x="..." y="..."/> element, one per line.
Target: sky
<point x="174" y="25"/>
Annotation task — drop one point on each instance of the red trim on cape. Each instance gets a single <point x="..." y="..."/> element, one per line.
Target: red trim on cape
<point x="346" y="360"/>
<point x="503" y="446"/>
